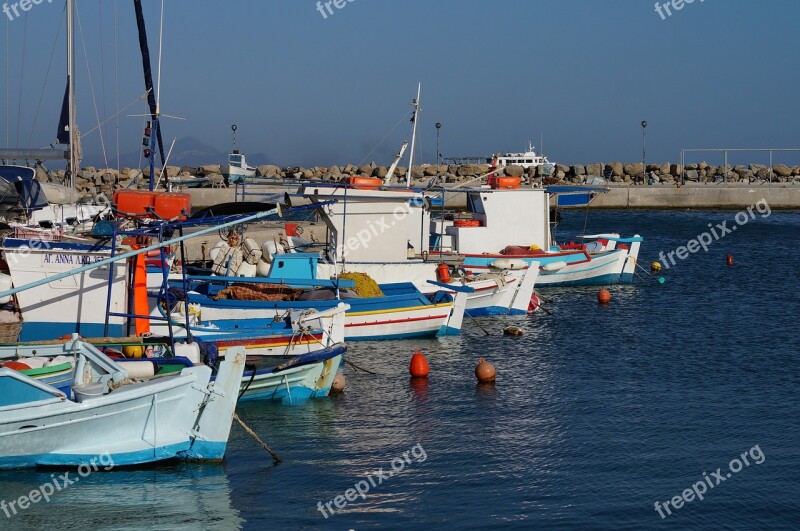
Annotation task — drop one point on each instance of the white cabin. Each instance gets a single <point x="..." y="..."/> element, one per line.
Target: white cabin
<point x="507" y="217"/>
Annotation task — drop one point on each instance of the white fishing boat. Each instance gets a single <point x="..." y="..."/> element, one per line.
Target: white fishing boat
<point x="109" y="416"/>
<point x="526" y="159"/>
<point x="385" y="233"/>
<point x="514" y="224"/>
<point x="238" y="170"/>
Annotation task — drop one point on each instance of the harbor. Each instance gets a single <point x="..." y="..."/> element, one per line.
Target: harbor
<point x="323" y="284"/>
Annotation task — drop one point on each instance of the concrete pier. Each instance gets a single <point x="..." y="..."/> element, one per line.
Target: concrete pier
<point x="659" y="196"/>
<point x="699" y="196"/>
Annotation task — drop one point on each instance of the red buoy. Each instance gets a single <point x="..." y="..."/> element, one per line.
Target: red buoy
<point x="485" y="372"/>
<point x="419" y="365"/>
<point x="730" y="259"/>
<point x="604" y="296"/>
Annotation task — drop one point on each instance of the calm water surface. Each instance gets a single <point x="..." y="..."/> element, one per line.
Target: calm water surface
<point x="598" y="412"/>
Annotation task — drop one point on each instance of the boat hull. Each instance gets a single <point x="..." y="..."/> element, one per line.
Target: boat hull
<point x="171" y="417"/>
<point x="306" y="380"/>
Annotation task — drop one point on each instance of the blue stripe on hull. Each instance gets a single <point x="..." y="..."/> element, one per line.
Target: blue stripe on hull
<point x="200" y="450"/>
<point x="493" y="310"/>
<point x="408" y="335"/>
<point x="603" y="280"/>
<point x="43" y="331"/>
<point x="295" y="395"/>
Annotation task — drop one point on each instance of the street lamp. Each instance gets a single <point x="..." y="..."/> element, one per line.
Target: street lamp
<point x="644" y="150"/>
<point x="438" y="155"/>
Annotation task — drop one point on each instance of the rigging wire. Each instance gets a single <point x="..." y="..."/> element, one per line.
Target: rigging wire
<point x="8" y="109"/>
<point x="91" y="85"/>
<point x="405" y="116"/>
<point x="102" y="68"/>
<point x="22" y="74"/>
<point x="143" y="97"/>
<point x="47" y="74"/>
<point x="116" y="79"/>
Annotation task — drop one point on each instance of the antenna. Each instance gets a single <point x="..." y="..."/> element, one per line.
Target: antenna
<point x="234" y="127"/>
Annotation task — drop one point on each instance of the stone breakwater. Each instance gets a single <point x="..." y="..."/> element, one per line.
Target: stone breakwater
<point x="92" y="181"/>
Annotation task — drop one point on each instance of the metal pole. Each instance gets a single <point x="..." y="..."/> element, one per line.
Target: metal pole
<point x="438" y="154"/>
<point x="726" y="167"/>
<point x="644" y="151"/>
<point x="73" y="132"/>
<point x="770" y="167"/>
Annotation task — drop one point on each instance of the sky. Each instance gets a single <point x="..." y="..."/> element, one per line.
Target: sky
<point x="307" y="89"/>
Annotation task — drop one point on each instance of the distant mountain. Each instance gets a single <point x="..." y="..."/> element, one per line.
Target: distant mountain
<point x="188" y="151"/>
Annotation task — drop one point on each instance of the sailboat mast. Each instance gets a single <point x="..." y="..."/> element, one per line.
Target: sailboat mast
<point x="73" y="131"/>
<point x="414" y="104"/>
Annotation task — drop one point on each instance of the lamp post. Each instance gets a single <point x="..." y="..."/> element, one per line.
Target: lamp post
<point x="438" y="154"/>
<point x="644" y="151"/>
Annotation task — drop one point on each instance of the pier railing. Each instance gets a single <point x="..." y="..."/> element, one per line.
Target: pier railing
<point x="726" y="165"/>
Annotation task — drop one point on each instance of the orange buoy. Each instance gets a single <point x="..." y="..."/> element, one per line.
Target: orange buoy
<point x="485" y="372"/>
<point x="419" y="365"/>
<point x="604" y="296"/>
<point x="339" y="382"/>
<point x="730" y="259"/>
<point x="443" y="273"/>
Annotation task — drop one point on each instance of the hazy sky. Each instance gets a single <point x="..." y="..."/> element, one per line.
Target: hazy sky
<point x="309" y="90"/>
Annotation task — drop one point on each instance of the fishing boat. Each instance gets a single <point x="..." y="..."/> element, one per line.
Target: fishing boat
<point x="109" y="415"/>
<point x="43" y="206"/>
<point x="385" y="233"/>
<point x="289" y="379"/>
<point x="47" y="206"/>
<point x="514" y="224"/>
<point x="527" y="159"/>
<point x="401" y="312"/>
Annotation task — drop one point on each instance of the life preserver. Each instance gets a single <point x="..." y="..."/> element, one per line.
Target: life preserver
<point x="364" y="183"/>
<point x="467" y="223"/>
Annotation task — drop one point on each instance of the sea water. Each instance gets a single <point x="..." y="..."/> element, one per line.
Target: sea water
<point x="598" y="413"/>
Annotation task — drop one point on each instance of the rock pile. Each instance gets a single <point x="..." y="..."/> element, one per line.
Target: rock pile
<point x="93" y="181"/>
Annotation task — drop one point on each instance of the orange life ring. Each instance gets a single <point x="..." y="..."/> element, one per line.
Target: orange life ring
<point x="467" y="223"/>
<point x="364" y="183"/>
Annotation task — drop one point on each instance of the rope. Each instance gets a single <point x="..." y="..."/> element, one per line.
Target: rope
<point x="91" y="86"/>
<point x="250" y="432"/>
<point x="356" y="367"/>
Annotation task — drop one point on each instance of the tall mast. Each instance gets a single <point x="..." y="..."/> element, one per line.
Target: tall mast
<point x="73" y="131"/>
<point x="415" y="105"/>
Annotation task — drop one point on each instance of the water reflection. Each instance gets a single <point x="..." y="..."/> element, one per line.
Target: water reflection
<point x="165" y="496"/>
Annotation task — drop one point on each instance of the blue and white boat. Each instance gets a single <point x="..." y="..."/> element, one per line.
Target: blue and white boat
<point x="402" y="312"/>
<point x="107" y="415"/>
<point x="514" y="224"/>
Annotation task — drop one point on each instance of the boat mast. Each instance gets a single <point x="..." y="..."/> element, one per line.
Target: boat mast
<point x="415" y="105"/>
<point x="73" y="131"/>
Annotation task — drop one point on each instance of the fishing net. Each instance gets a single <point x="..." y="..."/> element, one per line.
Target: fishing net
<point x="365" y="285"/>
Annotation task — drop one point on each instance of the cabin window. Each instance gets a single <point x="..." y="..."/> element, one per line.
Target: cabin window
<point x="236" y="159"/>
